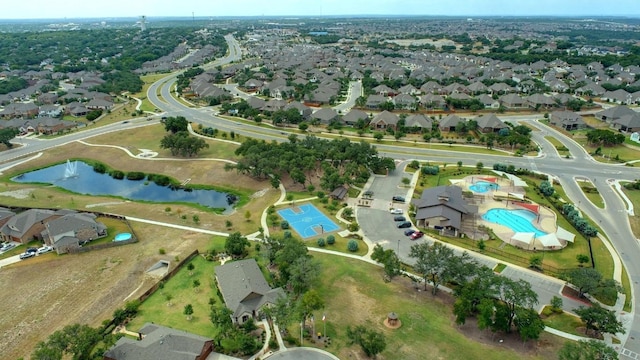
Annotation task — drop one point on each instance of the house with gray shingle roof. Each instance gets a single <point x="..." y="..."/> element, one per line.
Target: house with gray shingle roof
<point x="244" y="289"/>
<point x="442" y="207"/>
<point x="418" y="122"/>
<point x="27" y="225"/>
<point x="567" y="120"/>
<point x="325" y="115"/>
<point x="157" y="342"/>
<point x="627" y="123"/>
<point x="450" y="122"/>
<point x="385" y="120"/>
<point x="489" y="123"/>
<point x="71" y="231"/>
<point x="611" y="114"/>
<point x="352" y="117"/>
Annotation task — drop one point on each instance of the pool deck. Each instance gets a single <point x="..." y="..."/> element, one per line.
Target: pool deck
<point x="485" y="202"/>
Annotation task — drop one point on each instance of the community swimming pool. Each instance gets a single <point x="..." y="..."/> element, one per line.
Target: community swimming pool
<point x="307" y="220"/>
<point x="519" y="220"/>
<point x="483" y="186"/>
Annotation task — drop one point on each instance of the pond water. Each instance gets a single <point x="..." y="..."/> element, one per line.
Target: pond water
<point x="84" y="180"/>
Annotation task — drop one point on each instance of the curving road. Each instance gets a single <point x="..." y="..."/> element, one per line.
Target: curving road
<point x="613" y="219"/>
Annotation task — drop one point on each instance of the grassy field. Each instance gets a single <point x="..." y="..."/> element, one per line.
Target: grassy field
<point x="158" y="310"/>
<point x="610" y="154"/>
<point x="591" y="192"/>
<point x="634" y="196"/>
<point x="562" y="150"/>
<point x="563" y="322"/>
<point x="355" y="294"/>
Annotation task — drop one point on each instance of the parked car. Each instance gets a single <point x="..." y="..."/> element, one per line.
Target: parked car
<point x="417" y="235"/>
<point x="32" y="250"/>
<point x="399" y="199"/>
<point x="367" y="193"/>
<point x="404" y="224"/>
<point x="45" y="249"/>
<point x="396" y="211"/>
<point x="7" y="247"/>
<point x="399" y="218"/>
<point x="27" y="255"/>
<point x="409" y="232"/>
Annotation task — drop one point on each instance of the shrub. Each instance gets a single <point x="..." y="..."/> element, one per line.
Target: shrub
<point x="117" y="174"/>
<point x="321" y="242"/>
<point x="136" y="175"/>
<point x="162" y="251"/>
<point x="160" y="180"/>
<point x="352" y="245"/>
<point x="430" y="170"/>
<point x="353" y="227"/>
<point x="284" y="225"/>
<point x="331" y="239"/>
<point x="99" y="168"/>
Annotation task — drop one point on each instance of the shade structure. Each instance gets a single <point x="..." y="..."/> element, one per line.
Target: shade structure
<point x="524" y="237"/>
<point x="549" y="240"/>
<point x="565" y="235"/>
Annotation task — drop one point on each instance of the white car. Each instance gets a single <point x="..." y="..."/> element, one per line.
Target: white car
<point x="7" y="247"/>
<point x="45" y="249"/>
<point x="396" y="211"/>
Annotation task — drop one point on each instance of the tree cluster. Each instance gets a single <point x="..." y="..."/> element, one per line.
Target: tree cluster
<point x="183" y="144"/>
<point x="372" y="342"/>
<point x="590" y="281"/>
<point x="580" y="223"/>
<point x="339" y="161"/>
<point x="390" y="260"/>
<point x="604" y="137"/>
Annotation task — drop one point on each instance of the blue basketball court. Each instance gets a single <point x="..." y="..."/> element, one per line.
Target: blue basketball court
<point x="308" y="221"/>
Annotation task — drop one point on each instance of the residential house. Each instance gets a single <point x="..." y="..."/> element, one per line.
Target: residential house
<point x="71" y="231"/>
<point x="450" y="122"/>
<point x="5" y="215"/>
<point x="489" y="123"/>
<point x="512" y="101"/>
<point x="477" y="88"/>
<point x="48" y="125"/>
<point x="252" y="85"/>
<point x="384" y="120"/>
<point x="339" y="193"/>
<point x="325" y="116"/>
<point x="99" y="104"/>
<point x="405" y="101"/>
<point x="538" y="101"/>
<point x="619" y="96"/>
<point x="354" y="115"/>
<point x="374" y="101"/>
<point x="418" y="123"/>
<point x="157" y="342"/>
<point x="488" y="101"/>
<point x="627" y="123"/>
<point x="27" y="225"/>
<point x="384" y="90"/>
<point x="303" y="109"/>
<point x="256" y="102"/>
<point x="244" y="289"/>
<point x="432" y="101"/>
<point x="443" y="208"/>
<point x="48" y="98"/>
<point x="567" y="120"/>
<point x="611" y="114"/>
<point x="23" y="110"/>
<point x="274" y="105"/>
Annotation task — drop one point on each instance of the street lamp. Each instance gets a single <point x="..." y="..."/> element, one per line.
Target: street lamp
<point x="398" y="247"/>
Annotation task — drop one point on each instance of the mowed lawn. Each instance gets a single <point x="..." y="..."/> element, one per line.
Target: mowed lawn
<point x="356" y="294"/>
<point x="180" y="287"/>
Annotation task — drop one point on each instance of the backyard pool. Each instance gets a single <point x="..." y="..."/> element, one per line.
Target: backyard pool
<point x="307" y="220"/>
<point x="483" y="186"/>
<point x="122" y="237"/>
<point x="518" y="220"/>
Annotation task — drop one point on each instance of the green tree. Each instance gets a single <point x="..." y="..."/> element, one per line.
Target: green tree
<point x="599" y="319"/>
<point x="75" y="340"/>
<point x="221" y="319"/>
<point x="188" y="311"/>
<point x="196" y="285"/>
<point x="236" y="245"/>
<point x="585" y="279"/>
<point x="587" y="350"/>
<point x="7" y="134"/>
<point x="437" y="264"/>
<point x="529" y="324"/>
<point x="535" y="262"/>
<point x="515" y="294"/>
<point x="372" y="342"/>
<point x="309" y="302"/>
<point x="582" y="259"/>
<point x="303" y="272"/>
<point x="479" y="166"/>
<point x="176" y="124"/>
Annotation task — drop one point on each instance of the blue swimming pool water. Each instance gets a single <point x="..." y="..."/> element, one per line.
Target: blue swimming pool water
<point x="483" y="186"/>
<point x="122" y="237"/>
<point x="308" y="221"/>
<point x="518" y="220"/>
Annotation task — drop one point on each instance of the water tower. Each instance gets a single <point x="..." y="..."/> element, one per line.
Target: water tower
<point x="143" y="23"/>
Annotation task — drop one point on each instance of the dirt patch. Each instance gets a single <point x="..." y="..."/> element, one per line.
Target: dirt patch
<point x="56" y="291"/>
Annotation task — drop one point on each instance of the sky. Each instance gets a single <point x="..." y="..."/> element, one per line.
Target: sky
<point x="48" y="9"/>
